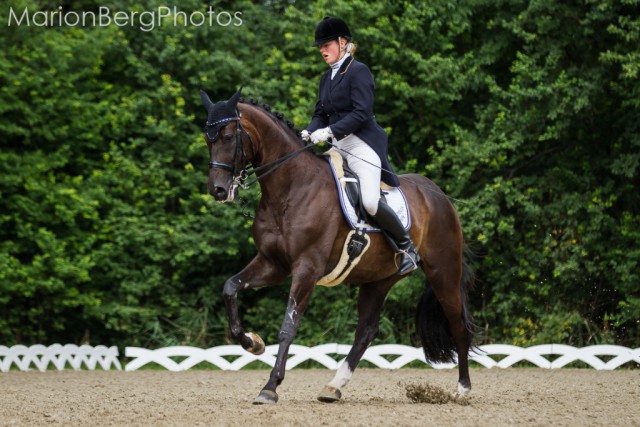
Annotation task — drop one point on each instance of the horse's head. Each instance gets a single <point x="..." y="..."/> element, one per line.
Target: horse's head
<point x="227" y="158"/>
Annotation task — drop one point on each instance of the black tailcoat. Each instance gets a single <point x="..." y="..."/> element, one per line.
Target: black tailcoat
<point x="345" y="104"/>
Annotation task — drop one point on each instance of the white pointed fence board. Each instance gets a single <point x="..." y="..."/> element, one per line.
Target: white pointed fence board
<point x="567" y="354"/>
<point x="388" y="356"/>
<point x="40" y="357"/>
<point x="233" y="357"/>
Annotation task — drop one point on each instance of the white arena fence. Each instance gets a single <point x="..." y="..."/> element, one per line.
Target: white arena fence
<point x="40" y="356"/>
<point x="233" y="357"/>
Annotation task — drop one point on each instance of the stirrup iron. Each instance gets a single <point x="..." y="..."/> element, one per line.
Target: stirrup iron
<point x="412" y="255"/>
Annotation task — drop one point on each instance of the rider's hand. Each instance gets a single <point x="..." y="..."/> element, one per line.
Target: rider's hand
<point x="305" y="135"/>
<point x="321" y="135"/>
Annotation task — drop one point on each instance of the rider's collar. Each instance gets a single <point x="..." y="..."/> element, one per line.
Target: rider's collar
<point x="336" y="66"/>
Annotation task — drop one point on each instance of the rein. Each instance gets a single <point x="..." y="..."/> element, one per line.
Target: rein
<point x="357" y="157"/>
<point x="274" y="165"/>
<point x="383" y="169"/>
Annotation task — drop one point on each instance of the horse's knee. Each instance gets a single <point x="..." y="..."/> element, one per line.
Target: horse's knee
<point x="231" y="288"/>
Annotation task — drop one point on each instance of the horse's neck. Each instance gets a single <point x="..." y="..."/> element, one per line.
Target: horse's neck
<point x="273" y="147"/>
<point x="275" y="143"/>
<point x="279" y="182"/>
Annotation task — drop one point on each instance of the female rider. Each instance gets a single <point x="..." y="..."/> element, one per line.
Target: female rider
<point x="344" y="114"/>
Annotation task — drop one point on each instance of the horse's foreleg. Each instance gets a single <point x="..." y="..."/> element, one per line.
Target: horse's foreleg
<point x="249" y="341"/>
<point x="258" y="273"/>
<point x="298" y="299"/>
<point x="370" y="301"/>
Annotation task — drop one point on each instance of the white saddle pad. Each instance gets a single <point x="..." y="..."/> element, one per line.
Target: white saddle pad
<point x="394" y="196"/>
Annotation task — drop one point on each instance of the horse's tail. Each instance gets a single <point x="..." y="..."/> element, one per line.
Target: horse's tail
<point x="433" y="326"/>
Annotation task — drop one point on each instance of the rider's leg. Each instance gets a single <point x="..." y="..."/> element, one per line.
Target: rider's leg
<point x="365" y="163"/>
<point x="387" y="219"/>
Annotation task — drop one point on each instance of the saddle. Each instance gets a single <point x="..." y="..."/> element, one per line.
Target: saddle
<point x="357" y="241"/>
<point x="351" y="200"/>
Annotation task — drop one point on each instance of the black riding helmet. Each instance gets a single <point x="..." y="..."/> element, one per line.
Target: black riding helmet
<point x="330" y="29"/>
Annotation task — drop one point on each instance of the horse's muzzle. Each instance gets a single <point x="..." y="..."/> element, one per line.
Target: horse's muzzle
<point x="218" y="193"/>
<point x="223" y="195"/>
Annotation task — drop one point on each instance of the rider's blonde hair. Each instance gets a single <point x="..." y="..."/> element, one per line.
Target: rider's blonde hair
<point x="350" y="47"/>
<point x="352" y="52"/>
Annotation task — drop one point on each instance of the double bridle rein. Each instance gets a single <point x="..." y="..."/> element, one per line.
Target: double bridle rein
<point x="240" y="177"/>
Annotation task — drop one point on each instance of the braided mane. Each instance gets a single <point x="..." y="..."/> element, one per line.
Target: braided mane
<point x="275" y="114"/>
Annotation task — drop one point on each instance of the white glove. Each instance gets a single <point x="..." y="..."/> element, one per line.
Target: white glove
<point x="321" y="135"/>
<point x="305" y="135"/>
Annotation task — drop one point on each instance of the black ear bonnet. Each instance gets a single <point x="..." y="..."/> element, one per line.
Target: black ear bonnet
<point x="219" y="114"/>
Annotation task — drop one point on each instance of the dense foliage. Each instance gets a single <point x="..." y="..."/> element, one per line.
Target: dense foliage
<point x="526" y="112"/>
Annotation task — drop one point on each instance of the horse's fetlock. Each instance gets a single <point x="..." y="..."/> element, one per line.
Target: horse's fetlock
<point x="236" y="333"/>
<point x="285" y="336"/>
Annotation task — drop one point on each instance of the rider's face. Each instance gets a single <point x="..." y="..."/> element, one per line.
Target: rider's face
<point x="331" y="51"/>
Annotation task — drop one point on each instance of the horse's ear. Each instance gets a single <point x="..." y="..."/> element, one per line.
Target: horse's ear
<point x="233" y="101"/>
<point x="206" y="101"/>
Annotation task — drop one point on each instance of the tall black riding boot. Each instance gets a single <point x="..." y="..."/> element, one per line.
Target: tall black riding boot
<point x="389" y="222"/>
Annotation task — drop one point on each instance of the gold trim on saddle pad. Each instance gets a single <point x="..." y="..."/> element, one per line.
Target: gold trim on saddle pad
<point x="342" y="270"/>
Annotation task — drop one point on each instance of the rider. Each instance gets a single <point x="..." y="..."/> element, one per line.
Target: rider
<point x="344" y="114"/>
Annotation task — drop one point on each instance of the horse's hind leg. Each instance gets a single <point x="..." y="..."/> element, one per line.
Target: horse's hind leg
<point x="444" y="322"/>
<point x="370" y="301"/>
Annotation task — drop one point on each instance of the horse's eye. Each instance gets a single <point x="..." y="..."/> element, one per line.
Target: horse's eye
<point x="227" y="138"/>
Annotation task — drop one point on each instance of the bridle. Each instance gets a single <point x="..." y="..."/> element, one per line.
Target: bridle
<point x="239" y="154"/>
<point x="242" y="174"/>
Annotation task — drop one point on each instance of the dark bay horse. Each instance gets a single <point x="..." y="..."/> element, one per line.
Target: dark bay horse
<point x="299" y="231"/>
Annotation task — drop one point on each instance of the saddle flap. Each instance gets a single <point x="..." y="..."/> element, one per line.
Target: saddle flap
<point x="352" y="188"/>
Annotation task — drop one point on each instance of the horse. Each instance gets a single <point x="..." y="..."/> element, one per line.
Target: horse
<point x="299" y="231"/>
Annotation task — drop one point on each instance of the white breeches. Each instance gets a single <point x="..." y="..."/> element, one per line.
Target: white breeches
<point x="365" y="163"/>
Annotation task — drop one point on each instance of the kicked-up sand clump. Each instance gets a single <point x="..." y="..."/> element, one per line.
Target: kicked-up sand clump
<point x="427" y="393"/>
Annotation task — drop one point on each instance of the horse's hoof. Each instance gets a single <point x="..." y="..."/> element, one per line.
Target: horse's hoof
<point x="266" y="397"/>
<point x="329" y="395"/>
<point x="462" y="391"/>
<point x="257" y="345"/>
